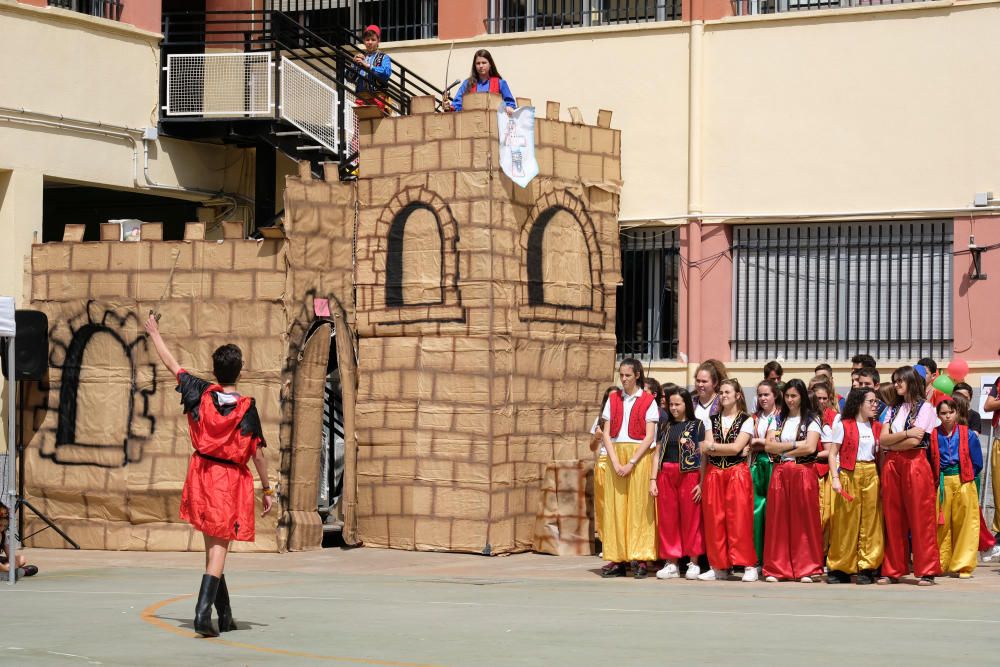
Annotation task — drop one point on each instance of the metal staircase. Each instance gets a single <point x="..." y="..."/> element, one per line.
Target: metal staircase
<point x="261" y="77"/>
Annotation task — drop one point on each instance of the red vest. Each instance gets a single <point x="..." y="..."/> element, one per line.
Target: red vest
<point x="637" y="418"/>
<point x="849" y="448"/>
<point x="828" y="417"/>
<point x="965" y="472"/>
<point x="494" y="85"/>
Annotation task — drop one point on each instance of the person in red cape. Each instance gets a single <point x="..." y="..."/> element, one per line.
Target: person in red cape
<point x="218" y="496"/>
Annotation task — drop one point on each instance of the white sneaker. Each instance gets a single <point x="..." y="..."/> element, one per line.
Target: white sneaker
<point x="991" y="554"/>
<point x="668" y="571"/>
<point x="713" y="574"/>
<point x="806" y="580"/>
<point x="692" y="572"/>
<point x="750" y="574"/>
<point x="770" y="579"/>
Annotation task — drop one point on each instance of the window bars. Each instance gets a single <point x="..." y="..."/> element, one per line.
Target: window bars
<point x="647" y="298"/>
<point x="398" y="19"/>
<point x="830" y="291"/>
<point x="528" y="15"/>
<point x="105" y="9"/>
<point x="753" y="7"/>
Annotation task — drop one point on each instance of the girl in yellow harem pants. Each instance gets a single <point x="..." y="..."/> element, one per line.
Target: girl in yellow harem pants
<point x="628" y="521"/>
<point x="956" y="457"/>
<point x="857" y="542"/>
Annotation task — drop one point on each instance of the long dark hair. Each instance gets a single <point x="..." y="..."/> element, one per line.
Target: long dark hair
<point x="855" y="399"/>
<point x="604" y="400"/>
<point x="807" y="411"/>
<point x="474" y="77"/>
<point x="914" y="385"/>
<point x="686" y="397"/>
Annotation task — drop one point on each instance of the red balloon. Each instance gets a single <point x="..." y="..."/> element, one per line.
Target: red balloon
<point x="958" y="369"/>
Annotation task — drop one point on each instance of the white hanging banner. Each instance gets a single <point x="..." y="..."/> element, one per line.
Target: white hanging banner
<point x="7" y="327"/>
<point x="517" y="144"/>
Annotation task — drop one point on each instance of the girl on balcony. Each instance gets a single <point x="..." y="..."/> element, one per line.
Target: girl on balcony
<point x="628" y="527"/>
<point x="676" y="483"/>
<point x="484" y="78"/>
<point x="908" y="484"/>
<point x="727" y="497"/>
<point x="370" y="71"/>
<point x="793" y="544"/>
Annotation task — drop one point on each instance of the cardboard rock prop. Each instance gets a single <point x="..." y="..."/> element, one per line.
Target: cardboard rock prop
<point x="461" y="328"/>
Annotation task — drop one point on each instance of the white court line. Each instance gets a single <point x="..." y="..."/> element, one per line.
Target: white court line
<point x="628" y="610"/>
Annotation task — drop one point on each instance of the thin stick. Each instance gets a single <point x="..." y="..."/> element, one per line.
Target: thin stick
<point x="166" y="288"/>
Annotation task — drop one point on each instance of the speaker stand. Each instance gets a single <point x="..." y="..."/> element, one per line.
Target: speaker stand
<point x="20" y="503"/>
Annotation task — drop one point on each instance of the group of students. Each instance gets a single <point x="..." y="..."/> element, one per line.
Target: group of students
<point x="870" y="486"/>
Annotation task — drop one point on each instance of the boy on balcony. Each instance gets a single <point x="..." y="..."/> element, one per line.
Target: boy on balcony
<point x="370" y="71"/>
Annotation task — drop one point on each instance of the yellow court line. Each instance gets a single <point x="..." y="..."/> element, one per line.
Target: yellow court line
<point x="149" y="616"/>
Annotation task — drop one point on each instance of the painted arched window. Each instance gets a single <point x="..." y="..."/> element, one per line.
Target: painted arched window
<point x="96" y="398"/>
<point x="414" y="262"/>
<point x="559" y="262"/>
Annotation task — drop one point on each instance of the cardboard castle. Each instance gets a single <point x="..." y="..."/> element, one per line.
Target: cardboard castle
<point x="469" y="322"/>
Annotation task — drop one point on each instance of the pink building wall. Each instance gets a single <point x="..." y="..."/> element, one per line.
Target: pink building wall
<point x="976" y="316"/>
<point x="706" y="292"/>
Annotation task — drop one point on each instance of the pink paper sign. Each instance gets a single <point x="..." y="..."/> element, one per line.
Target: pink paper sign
<point x="321" y="307"/>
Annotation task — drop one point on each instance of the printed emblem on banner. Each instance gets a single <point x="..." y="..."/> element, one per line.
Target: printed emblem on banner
<point x="517" y="144"/>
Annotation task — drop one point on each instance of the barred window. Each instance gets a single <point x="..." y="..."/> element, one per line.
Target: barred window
<point x="647" y="298"/>
<point x="529" y="15"/>
<point x="830" y="291"/>
<point x="398" y="19"/>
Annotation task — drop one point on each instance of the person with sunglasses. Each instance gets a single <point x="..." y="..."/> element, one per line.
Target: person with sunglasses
<point x="857" y="544"/>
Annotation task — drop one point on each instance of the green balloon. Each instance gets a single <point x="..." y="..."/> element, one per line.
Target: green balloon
<point x="944" y="384"/>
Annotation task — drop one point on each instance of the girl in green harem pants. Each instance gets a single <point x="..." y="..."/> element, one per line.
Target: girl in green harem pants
<point x="768" y="406"/>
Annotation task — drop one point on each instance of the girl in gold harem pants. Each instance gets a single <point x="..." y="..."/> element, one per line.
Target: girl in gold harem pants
<point x="628" y="527"/>
<point x="857" y="542"/>
<point x="956" y="458"/>
<point x="857" y="537"/>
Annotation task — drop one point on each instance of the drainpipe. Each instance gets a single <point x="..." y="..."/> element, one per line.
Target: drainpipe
<point x="694" y="203"/>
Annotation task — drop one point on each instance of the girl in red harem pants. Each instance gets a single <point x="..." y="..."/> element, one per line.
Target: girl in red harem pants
<point x="727" y="494"/>
<point x="677" y="487"/>
<point x="793" y="542"/>
<point x="908" y="496"/>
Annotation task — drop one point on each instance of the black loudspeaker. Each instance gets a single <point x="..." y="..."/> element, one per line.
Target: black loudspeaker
<point x="31" y="350"/>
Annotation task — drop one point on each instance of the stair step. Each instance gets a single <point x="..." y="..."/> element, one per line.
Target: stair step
<point x="310" y="148"/>
<point x="294" y="133"/>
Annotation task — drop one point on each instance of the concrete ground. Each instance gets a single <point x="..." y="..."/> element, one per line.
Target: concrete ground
<point x="377" y="607"/>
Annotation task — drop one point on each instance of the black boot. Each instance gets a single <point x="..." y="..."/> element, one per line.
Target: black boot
<point x="226" y="622"/>
<point x="203" y="610"/>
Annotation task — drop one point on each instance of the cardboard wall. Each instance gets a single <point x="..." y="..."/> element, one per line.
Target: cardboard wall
<point x="479" y="335"/>
<point x="108" y="444"/>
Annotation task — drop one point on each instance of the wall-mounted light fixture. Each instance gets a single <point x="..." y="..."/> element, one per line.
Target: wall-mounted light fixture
<point x="977" y="259"/>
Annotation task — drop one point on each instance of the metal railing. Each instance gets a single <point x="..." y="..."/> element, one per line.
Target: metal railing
<point x="105" y="9"/>
<point x="398" y="19"/>
<point x="830" y="291"/>
<point x="754" y="7"/>
<point x="647" y="298"/>
<point x="529" y="15"/>
<point x="306" y="56"/>
<point x="224" y="85"/>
